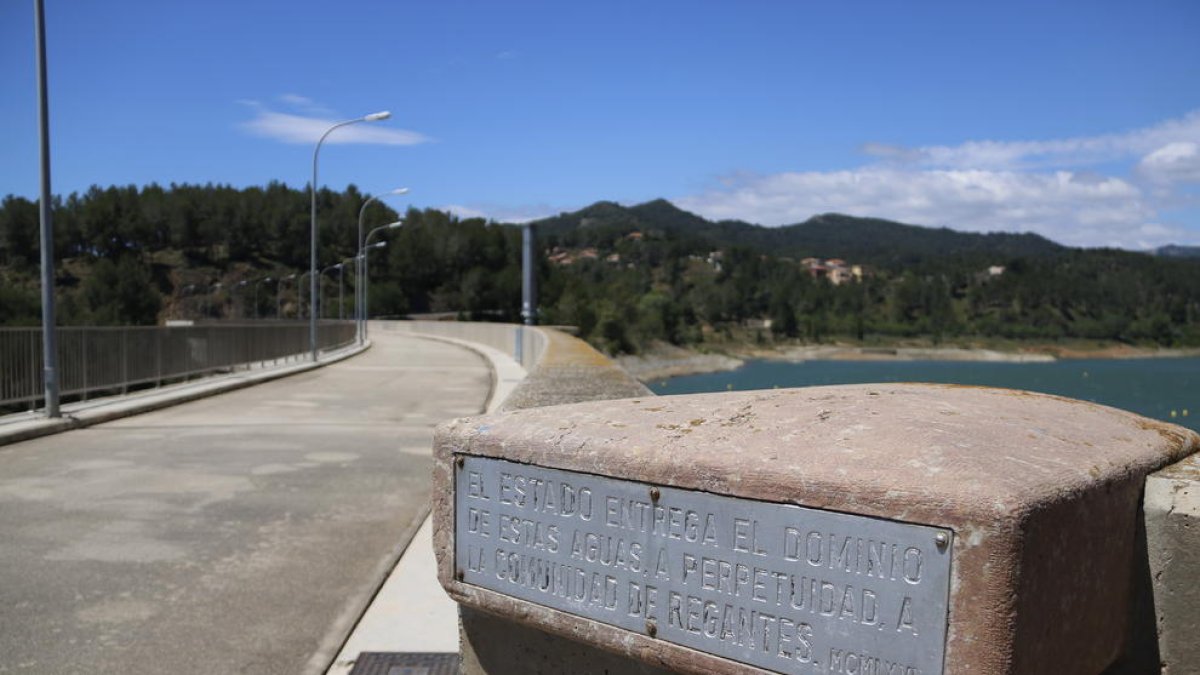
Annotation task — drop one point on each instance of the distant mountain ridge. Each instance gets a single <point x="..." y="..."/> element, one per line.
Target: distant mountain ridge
<point x="1177" y="251"/>
<point x="872" y="241"/>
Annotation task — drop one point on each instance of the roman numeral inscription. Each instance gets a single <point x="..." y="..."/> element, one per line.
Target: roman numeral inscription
<point x="778" y="586"/>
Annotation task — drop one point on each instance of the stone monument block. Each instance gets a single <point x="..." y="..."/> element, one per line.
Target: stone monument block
<point x="1172" y="506"/>
<point x="866" y="529"/>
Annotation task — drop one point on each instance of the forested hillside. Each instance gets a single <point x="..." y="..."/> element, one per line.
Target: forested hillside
<point x="626" y="276"/>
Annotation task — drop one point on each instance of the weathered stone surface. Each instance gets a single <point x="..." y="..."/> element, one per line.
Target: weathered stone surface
<point x="571" y="371"/>
<point x="1041" y="492"/>
<point x="1172" y="506"/>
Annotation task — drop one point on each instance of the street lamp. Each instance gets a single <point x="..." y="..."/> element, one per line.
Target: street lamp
<point x="208" y="298"/>
<point x="300" y="299"/>
<point x="363" y="254"/>
<point x="335" y="266"/>
<point x="378" y="244"/>
<point x="50" y="384"/>
<point x="312" y="257"/>
<point x="256" y="284"/>
<point x="360" y="300"/>
<point x="240" y="284"/>
<point x="279" y="296"/>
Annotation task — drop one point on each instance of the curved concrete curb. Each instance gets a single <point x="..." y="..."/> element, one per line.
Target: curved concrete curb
<point x="401" y="604"/>
<point x="99" y="411"/>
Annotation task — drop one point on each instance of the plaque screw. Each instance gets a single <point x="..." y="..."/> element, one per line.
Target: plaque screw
<point x="651" y="628"/>
<point x="654" y="494"/>
<point x="459" y="461"/>
<point x="942" y="540"/>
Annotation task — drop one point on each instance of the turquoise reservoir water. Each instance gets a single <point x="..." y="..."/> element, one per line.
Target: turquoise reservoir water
<point x="1167" y="389"/>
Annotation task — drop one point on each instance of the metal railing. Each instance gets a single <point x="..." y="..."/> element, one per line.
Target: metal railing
<point x="102" y="359"/>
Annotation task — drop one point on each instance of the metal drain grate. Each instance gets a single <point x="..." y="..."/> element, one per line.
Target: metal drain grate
<point x="405" y="663"/>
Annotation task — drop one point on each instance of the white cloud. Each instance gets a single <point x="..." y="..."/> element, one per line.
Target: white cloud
<point x="463" y="212"/>
<point x="306" y="105"/>
<point x="1071" y="208"/>
<point x="303" y="129"/>
<point x="1177" y="162"/>
<point x="502" y="214"/>
<point x="1016" y="186"/>
<point x="295" y="99"/>
<point x="1082" y="150"/>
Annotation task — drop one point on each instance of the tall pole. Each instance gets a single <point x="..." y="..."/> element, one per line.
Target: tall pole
<point x="335" y="266"/>
<point x="362" y="252"/>
<point x="312" y="257"/>
<point x="268" y="280"/>
<point x="359" y="297"/>
<point x="528" y="277"/>
<point x="341" y="297"/>
<point x="49" y="334"/>
<point x="279" y="296"/>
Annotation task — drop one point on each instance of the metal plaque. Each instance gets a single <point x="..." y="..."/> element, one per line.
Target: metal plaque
<point x="778" y="586"/>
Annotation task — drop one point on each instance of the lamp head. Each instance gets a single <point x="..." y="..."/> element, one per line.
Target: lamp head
<point x="392" y="226"/>
<point x="376" y="117"/>
<point x="379" y="244"/>
<point x="399" y="191"/>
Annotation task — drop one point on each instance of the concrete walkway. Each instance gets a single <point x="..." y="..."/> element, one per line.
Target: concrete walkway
<point x="243" y="533"/>
<point x="412" y="613"/>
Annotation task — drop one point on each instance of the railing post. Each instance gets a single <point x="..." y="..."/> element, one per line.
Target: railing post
<point x="84" y="340"/>
<point x="157" y="360"/>
<point x="124" y="361"/>
<point x="33" y="378"/>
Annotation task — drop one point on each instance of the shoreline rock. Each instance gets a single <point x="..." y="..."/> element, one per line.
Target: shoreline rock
<point x="664" y="361"/>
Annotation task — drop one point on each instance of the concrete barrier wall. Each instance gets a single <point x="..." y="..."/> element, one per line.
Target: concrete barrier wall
<point x="561" y="368"/>
<point x="524" y="344"/>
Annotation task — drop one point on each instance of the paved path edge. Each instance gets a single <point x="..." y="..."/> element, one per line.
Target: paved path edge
<point x="156" y="399"/>
<point x="505" y="378"/>
<point x="324" y="658"/>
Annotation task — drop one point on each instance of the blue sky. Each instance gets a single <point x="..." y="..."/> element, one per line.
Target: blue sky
<point x="1077" y="120"/>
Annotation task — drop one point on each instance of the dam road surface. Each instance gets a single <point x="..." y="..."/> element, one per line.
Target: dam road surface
<point x="241" y="533"/>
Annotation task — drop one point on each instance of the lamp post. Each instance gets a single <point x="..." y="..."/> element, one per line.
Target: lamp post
<point x="49" y="330"/>
<point x="279" y="295"/>
<point x="312" y="258"/>
<point x="360" y="300"/>
<point x="181" y="310"/>
<point x="335" y="266"/>
<point x="240" y="284"/>
<point x="208" y="298"/>
<point x="300" y="299"/>
<point x="256" y="284"/>
<point x="366" y="281"/>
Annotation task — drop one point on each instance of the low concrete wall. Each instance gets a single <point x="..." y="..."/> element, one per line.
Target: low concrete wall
<point x="525" y="344"/>
<point x="562" y="368"/>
